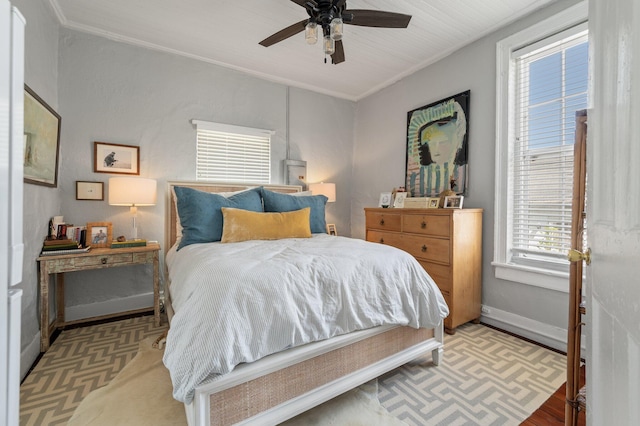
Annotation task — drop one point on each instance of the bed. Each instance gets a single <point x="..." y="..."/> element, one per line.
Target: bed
<point x="280" y="385"/>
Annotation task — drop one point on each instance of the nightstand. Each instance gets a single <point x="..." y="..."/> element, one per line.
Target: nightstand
<point x="99" y="258"/>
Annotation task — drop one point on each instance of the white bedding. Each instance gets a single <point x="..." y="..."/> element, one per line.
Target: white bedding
<point x="239" y="302"/>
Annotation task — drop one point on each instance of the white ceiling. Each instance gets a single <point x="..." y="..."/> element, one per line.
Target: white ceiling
<point x="227" y="32"/>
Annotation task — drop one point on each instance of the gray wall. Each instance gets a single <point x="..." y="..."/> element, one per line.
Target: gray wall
<point x="40" y="203"/>
<point x="379" y="159"/>
<point x="118" y="93"/>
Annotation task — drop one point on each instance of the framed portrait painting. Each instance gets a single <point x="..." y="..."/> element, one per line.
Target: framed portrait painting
<point x="116" y="158"/>
<point x="438" y="146"/>
<point x="41" y="141"/>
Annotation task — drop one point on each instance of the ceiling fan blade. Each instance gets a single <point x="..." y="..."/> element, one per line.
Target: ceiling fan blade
<point x="338" y="54"/>
<point x="377" y="18"/>
<point x="302" y="3"/>
<point x="291" y="30"/>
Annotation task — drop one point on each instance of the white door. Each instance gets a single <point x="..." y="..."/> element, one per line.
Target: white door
<point x="613" y="216"/>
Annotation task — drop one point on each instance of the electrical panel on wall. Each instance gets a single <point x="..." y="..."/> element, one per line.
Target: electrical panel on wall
<point x="295" y="173"/>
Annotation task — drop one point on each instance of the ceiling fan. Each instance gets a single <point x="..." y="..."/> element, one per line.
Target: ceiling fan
<point x="330" y="15"/>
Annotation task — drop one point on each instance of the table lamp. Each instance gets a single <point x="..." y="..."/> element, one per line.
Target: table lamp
<point x="132" y="192"/>
<point x="326" y="189"/>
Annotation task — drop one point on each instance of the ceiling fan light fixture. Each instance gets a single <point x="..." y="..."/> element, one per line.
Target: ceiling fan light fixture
<point x="329" y="45"/>
<point x="336" y="28"/>
<point x="311" y="33"/>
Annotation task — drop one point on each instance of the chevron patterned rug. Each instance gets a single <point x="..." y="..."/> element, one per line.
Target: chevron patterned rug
<point x="487" y="377"/>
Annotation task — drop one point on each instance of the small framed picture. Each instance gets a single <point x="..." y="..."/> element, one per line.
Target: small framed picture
<point x="398" y="201"/>
<point x="453" y="202"/>
<point x="433" y="202"/>
<point x="99" y="234"/>
<point x="331" y="229"/>
<point x="116" y="159"/>
<point x="89" y="190"/>
<point x="385" y="200"/>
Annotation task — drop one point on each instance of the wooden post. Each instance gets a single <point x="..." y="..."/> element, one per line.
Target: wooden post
<point x="575" y="271"/>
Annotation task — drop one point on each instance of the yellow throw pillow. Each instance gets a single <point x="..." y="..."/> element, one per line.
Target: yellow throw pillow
<point x="242" y="225"/>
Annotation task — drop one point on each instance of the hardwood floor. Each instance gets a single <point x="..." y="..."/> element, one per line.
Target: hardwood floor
<point x="552" y="411"/>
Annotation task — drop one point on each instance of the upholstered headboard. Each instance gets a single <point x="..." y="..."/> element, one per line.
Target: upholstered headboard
<point x="171" y="214"/>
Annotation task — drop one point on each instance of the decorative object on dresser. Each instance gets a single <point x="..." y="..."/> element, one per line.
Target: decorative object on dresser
<point x="41" y="140"/>
<point x="399" y="200"/>
<point x="448" y="245"/>
<point x="453" y="202"/>
<point x="89" y="190"/>
<point x="331" y="229"/>
<point x="385" y="200"/>
<point x="437" y="146"/>
<point x="116" y="158"/>
<point x="133" y="193"/>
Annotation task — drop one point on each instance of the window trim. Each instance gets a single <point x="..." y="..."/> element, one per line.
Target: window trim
<point x="505" y="87"/>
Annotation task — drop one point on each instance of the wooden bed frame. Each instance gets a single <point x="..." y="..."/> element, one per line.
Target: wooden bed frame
<point x="283" y="385"/>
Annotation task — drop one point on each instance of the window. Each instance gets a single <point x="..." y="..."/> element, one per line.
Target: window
<point x="227" y="153"/>
<point x="543" y="79"/>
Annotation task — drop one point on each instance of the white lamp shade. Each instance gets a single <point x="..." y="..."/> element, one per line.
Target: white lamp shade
<point x="326" y="189"/>
<point x="128" y="191"/>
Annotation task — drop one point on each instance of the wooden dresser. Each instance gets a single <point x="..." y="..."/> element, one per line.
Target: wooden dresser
<point x="447" y="243"/>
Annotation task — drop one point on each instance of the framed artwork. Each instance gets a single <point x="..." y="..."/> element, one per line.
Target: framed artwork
<point x="433" y="202"/>
<point x="89" y="190"/>
<point x="453" y="202"/>
<point x="99" y="234"/>
<point x="438" y="146"/>
<point x="398" y="201"/>
<point x="385" y="199"/>
<point x="41" y="141"/>
<point x="331" y="229"/>
<point x="116" y="159"/>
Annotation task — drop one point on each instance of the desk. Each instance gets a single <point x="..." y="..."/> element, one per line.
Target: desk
<point x="99" y="258"/>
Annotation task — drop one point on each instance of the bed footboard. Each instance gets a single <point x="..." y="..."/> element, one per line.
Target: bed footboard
<point x="287" y="384"/>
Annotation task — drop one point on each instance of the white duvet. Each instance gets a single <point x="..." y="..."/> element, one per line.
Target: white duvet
<point x="238" y="302"/>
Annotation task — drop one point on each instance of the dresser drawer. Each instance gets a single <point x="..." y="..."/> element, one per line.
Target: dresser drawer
<point x="441" y="274"/>
<point x="390" y="222"/>
<point x="389" y="238"/>
<point x="425" y="248"/>
<point x="422" y="248"/>
<point x="111" y="259"/>
<point x="426" y="224"/>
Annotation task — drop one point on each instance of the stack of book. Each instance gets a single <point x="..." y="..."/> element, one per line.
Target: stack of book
<point x="128" y="243"/>
<point x="56" y="246"/>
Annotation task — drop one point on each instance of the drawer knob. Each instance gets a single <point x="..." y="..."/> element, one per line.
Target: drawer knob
<point x="381" y="240"/>
<point x="103" y="260"/>
<point x="424" y="248"/>
<point x="382" y="221"/>
<point x="423" y="224"/>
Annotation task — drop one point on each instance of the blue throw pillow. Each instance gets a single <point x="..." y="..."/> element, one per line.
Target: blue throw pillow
<point x="277" y="202"/>
<point x="200" y="214"/>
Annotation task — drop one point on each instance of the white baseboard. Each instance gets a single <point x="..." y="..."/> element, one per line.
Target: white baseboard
<point x="545" y="334"/>
<point x="139" y="301"/>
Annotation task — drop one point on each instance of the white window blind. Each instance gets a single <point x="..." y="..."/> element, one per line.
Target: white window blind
<point x="551" y="78"/>
<point x="227" y="153"/>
